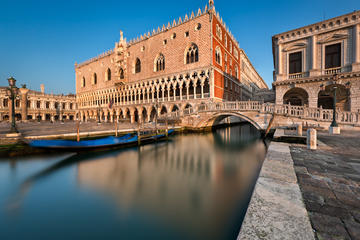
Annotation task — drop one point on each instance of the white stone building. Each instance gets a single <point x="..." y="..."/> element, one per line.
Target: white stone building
<point x="310" y="61"/>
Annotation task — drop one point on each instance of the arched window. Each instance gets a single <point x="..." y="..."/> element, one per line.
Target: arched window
<point x="94" y="78"/>
<point x="83" y="82"/>
<point x="192" y="54"/>
<point x="218" y="32"/>
<point x="218" y="55"/>
<point x="137" y="65"/>
<point x="230" y="47"/>
<point x="122" y="73"/>
<point x="236" y="72"/>
<point x="159" y="63"/>
<point x="108" y="74"/>
<point x="226" y="45"/>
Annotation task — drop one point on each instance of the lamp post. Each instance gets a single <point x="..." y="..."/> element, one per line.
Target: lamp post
<point x="12" y="92"/>
<point x="334" y="123"/>
<point x="99" y="113"/>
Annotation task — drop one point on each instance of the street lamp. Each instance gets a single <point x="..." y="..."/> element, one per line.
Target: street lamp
<point x="99" y="109"/>
<point x="334" y="123"/>
<point x="12" y="92"/>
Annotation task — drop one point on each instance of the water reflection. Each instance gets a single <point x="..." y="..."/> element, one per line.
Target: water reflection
<point x="191" y="187"/>
<point x="189" y="184"/>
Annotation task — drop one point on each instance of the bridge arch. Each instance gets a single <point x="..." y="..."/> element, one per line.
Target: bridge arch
<point x="216" y="118"/>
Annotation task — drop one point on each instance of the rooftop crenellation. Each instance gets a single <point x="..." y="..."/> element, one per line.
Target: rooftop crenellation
<point x="168" y="27"/>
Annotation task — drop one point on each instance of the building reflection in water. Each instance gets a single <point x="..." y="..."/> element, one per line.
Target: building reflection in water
<point x="192" y="183"/>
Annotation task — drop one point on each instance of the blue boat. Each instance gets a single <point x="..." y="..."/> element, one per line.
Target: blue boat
<point x="107" y="142"/>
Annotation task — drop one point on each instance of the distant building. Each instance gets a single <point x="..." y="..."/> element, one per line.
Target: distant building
<point x="310" y="61"/>
<point x="34" y="105"/>
<point x="190" y="60"/>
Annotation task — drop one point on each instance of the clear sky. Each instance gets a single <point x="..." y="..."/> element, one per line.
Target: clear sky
<point x="40" y="40"/>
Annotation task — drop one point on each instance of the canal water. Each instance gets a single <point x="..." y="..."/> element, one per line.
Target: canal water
<point x="194" y="186"/>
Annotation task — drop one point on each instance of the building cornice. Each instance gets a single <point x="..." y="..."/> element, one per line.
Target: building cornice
<point x="332" y="24"/>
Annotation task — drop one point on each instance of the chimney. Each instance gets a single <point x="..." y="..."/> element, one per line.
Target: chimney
<point x="42" y="88"/>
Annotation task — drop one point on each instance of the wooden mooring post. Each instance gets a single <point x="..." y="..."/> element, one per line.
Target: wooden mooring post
<point x="138" y="134"/>
<point x="116" y="128"/>
<point x="78" y="131"/>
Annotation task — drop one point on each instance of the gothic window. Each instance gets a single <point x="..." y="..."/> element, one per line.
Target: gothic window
<point x="121" y="73"/>
<point x="226" y="45"/>
<point x="186" y="33"/>
<point x="192" y="54"/>
<point x="236" y="72"/>
<point x="230" y="47"/>
<point x="333" y="56"/>
<point x="173" y="36"/>
<point x="218" y="31"/>
<point x="108" y="74"/>
<point x="160" y="63"/>
<point x="83" y="83"/>
<point x="225" y="57"/>
<point x="236" y="53"/>
<point x="218" y="55"/>
<point x="94" y="78"/>
<point x="295" y="62"/>
<point x="137" y="65"/>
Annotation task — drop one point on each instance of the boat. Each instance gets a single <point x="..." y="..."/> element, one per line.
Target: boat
<point x="101" y="143"/>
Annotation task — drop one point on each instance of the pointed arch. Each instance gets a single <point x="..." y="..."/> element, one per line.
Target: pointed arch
<point x="94" y="78"/>
<point x="218" y="55"/>
<point x="192" y="54"/>
<point x="159" y="63"/>
<point x="108" y="74"/>
<point x="137" y="65"/>
<point x="121" y="73"/>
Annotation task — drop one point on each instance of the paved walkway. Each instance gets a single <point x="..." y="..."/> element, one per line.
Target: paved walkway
<point x="276" y="209"/>
<point x="329" y="180"/>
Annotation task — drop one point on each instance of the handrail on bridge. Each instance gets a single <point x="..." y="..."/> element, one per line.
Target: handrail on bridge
<point x="288" y="110"/>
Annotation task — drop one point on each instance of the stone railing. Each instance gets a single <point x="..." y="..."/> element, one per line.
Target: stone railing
<point x="317" y="114"/>
<point x="331" y="71"/>
<point x="296" y="75"/>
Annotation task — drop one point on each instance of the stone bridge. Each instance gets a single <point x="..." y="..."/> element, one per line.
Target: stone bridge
<point x="259" y="114"/>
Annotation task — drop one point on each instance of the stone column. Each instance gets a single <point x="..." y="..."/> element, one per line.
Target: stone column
<point x="148" y="96"/>
<point x="168" y="90"/>
<point x="187" y="91"/>
<point x="111" y="117"/>
<point x="280" y="62"/>
<point x="52" y="118"/>
<point x="202" y="90"/>
<point x="43" y="117"/>
<point x="174" y="91"/>
<point x="314" y="71"/>
<point x="24" y="110"/>
<point x="132" y="117"/>
<point x="195" y="89"/>
<point x="163" y="95"/>
<point x="181" y="93"/>
<point x="356" y="64"/>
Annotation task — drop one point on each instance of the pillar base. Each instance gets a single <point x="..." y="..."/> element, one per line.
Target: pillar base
<point x="334" y="130"/>
<point x="355" y="67"/>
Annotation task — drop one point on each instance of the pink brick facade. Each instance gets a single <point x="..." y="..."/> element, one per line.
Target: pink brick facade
<point x="201" y="78"/>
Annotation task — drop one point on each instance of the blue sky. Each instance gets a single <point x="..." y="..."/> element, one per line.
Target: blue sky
<point x="41" y="40"/>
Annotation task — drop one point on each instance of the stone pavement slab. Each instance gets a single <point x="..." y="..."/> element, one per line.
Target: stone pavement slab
<point x="329" y="180"/>
<point x="276" y="209"/>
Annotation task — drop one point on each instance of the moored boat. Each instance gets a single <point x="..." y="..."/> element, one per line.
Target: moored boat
<point x="106" y="142"/>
